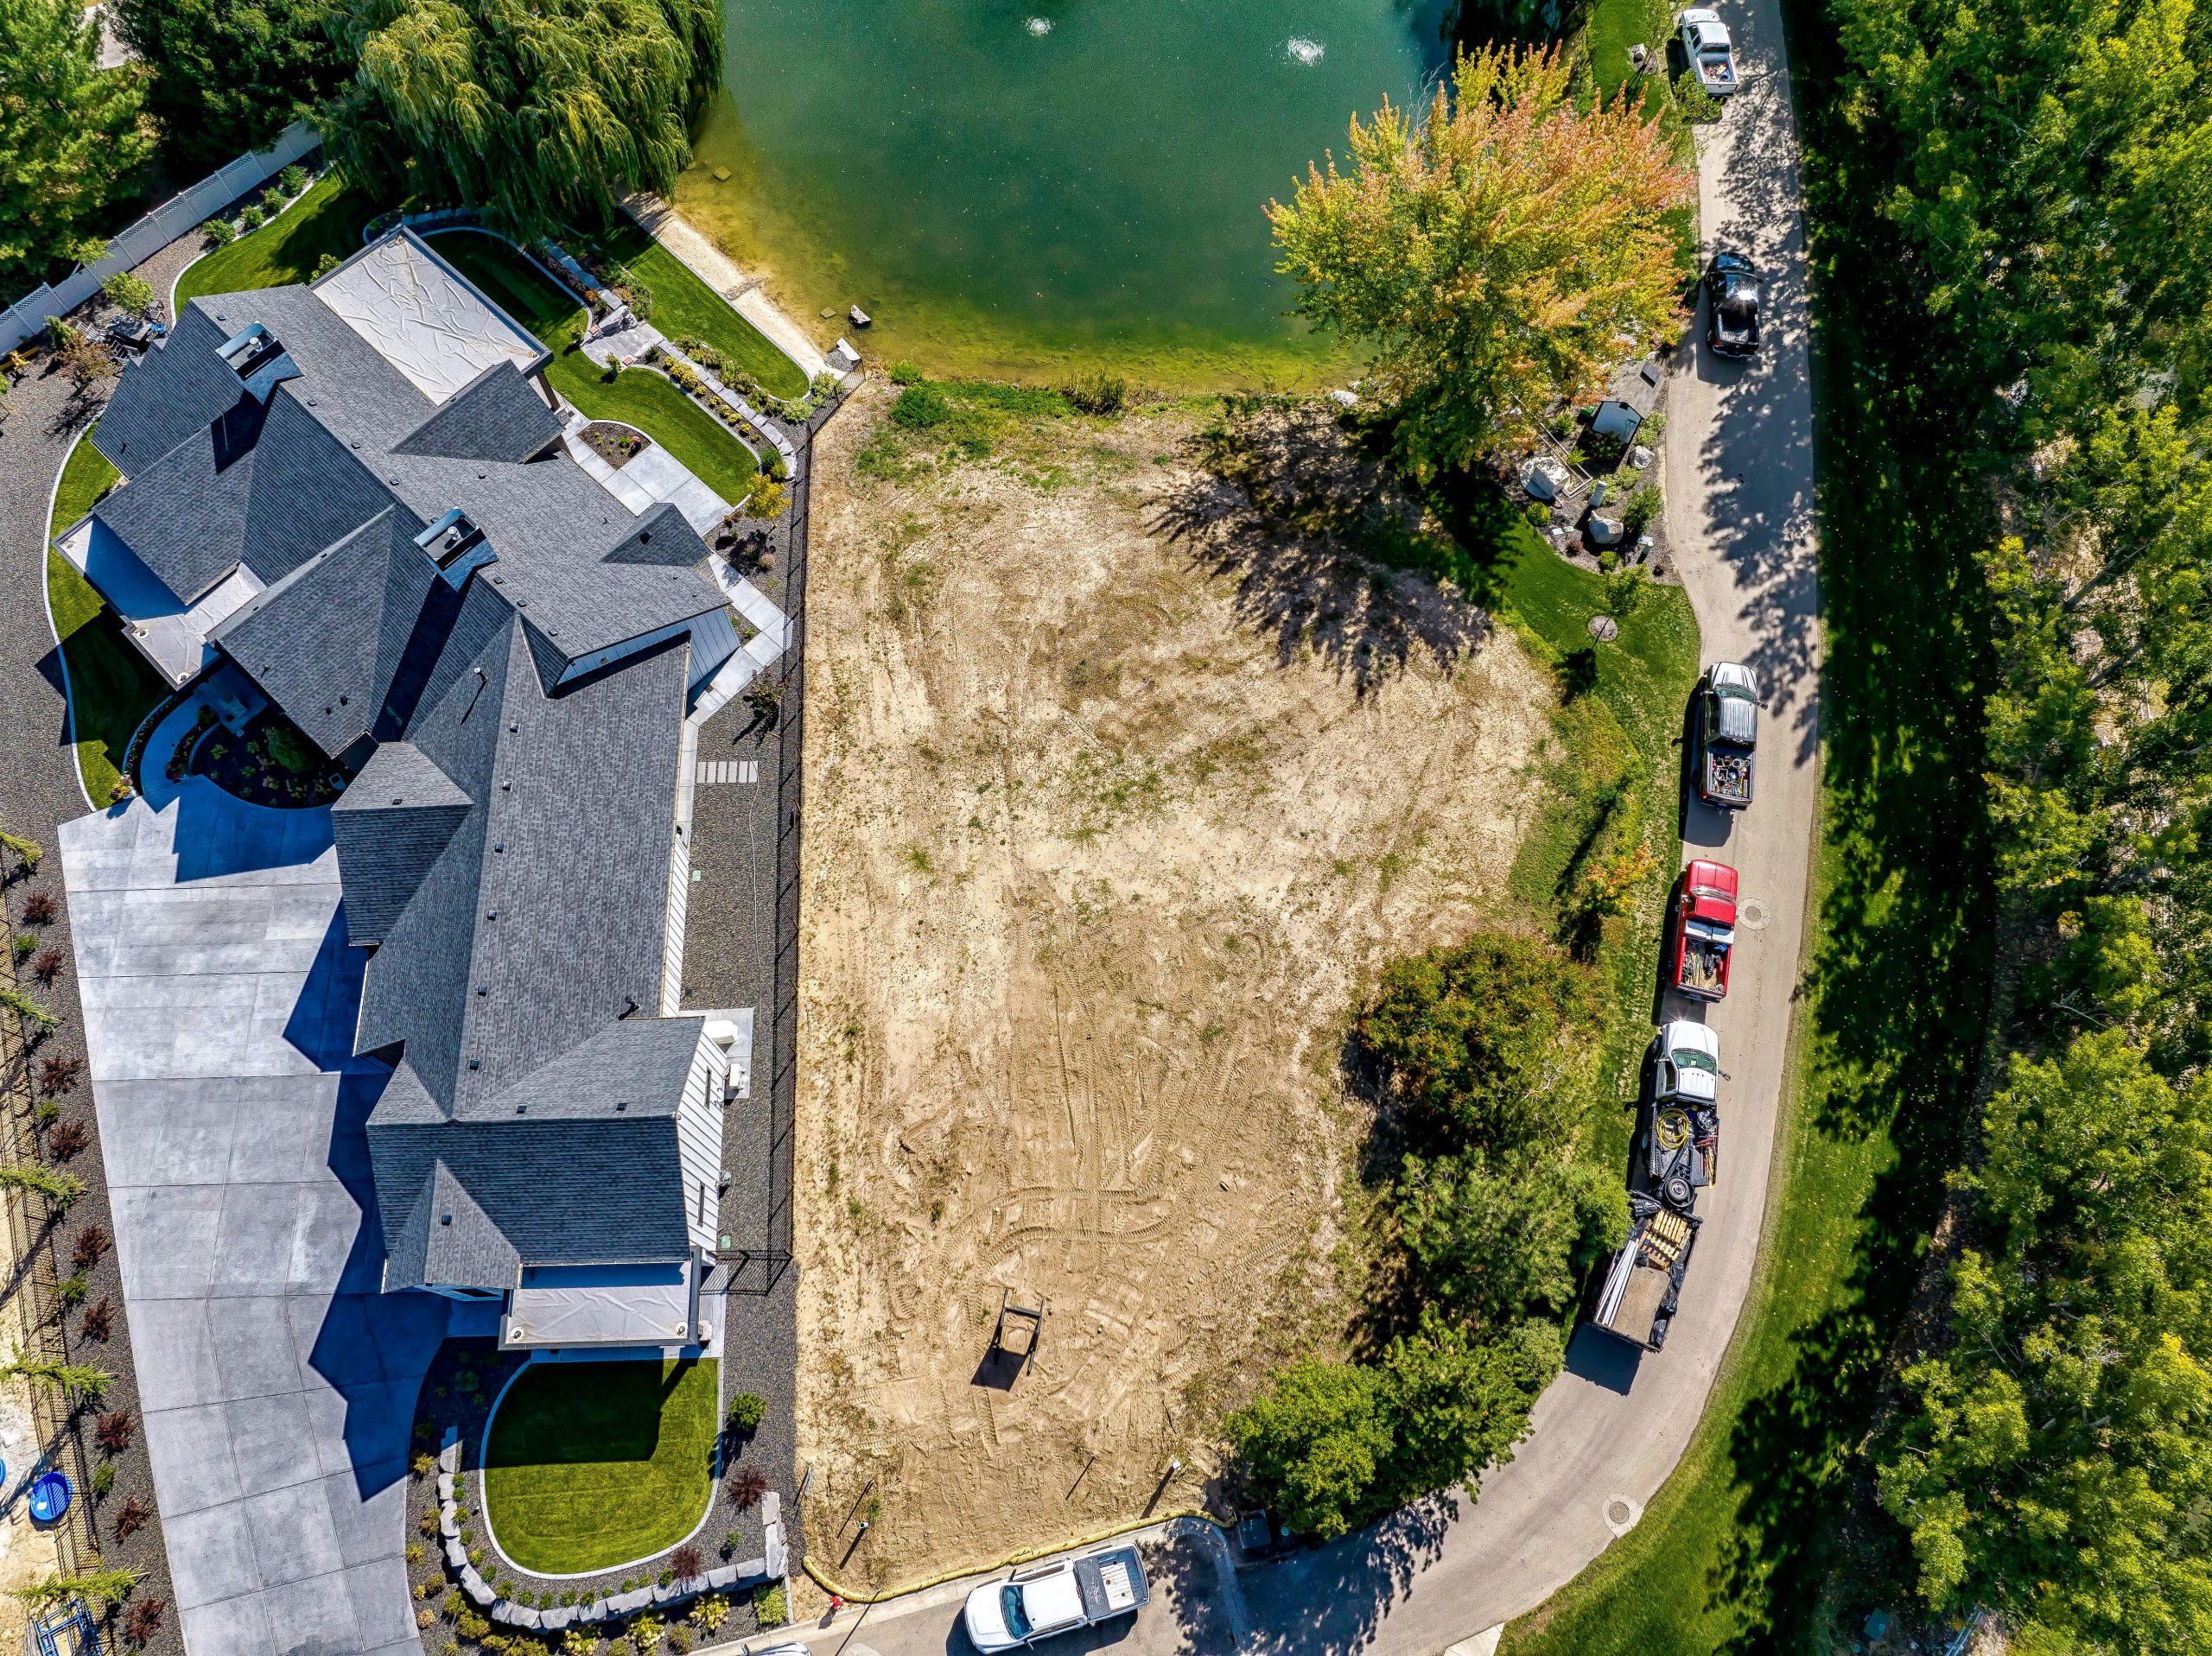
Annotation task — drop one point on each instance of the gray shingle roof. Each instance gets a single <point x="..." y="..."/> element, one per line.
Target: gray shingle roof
<point x="184" y="513"/>
<point x="390" y="827"/>
<point x="326" y="641"/>
<point x="496" y="416"/>
<point x="175" y="389"/>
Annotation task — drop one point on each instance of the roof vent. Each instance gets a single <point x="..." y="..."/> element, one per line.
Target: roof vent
<point x="450" y="536"/>
<point x="258" y="358"/>
<point x="445" y="1219"/>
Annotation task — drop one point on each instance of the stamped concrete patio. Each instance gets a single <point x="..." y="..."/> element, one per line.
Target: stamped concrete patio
<point x="278" y="1385"/>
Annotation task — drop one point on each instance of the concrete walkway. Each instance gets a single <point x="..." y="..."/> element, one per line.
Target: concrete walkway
<point x="277" y="1384"/>
<point x="721" y="273"/>
<point x="648" y="477"/>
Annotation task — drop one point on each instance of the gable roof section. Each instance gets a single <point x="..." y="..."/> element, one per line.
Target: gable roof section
<point x="391" y="826"/>
<point x="496" y="416"/>
<point x="326" y="641"/>
<point x="175" y="388"/>
<point x="542" y="917"/>
<point x="184" y="515"/>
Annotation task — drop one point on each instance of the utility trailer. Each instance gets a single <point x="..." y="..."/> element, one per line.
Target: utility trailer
<point x="1681" y="1151"/>
<point x="1644" y="1283"/>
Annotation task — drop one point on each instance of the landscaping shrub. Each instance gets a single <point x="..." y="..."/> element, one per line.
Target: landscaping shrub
<point x="1480" y="1042"/>
<point x="251" y="219"/>
<point x="92" y="1242"/>
<point x="114" y="1432"/>
<point x="746" y="1410"/>
<point x="58" y="1075"/>
<point x="221" y="231"/>
<point x="143" y="1619"/>
<point x="131" y="1517"/>
<point x="1538" y="514"/>
<point x="771" y="1607"/>
<point x="38" y="909"/>
<point x="72" y="1290"/>
<point x="293" y="179"/>
<point x="919" y="407"/>
<point x="685" y="1564"/>
<point x="1636" y="513"/>
<point x="97" y="1322"/>
<point x="104" y="1480"/>
<point x="273" y="201"/>
<point x="129" y="292"/>
<point x="45" y="965"/>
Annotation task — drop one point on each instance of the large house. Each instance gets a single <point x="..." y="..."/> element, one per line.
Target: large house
<point x="355" y="494"/>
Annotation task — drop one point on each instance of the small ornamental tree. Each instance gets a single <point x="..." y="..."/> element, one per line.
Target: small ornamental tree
<point x="1490" y="252"/>
<point x="1314" y="1445"/>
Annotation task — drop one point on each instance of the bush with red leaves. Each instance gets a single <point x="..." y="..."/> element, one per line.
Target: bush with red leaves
<point x="91" y="1242"/>
<point x="142" y="1620"/>
<point x="100" y="1320"/>
<point x="686" y="1563"/>
<point x="113" y="1431"/>
<point x="131" y="1517"/>
<point x="57" y="1074"/>
<point x="45" y="965"/>
<point x="747" y="1485"/>
<point x="65" y="1140"/>
<point x="38" y="910"/>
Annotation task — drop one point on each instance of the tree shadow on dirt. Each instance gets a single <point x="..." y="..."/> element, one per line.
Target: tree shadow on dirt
<point x="1326" y="544"/>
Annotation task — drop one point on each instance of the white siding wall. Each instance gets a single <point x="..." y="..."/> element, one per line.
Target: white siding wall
<point x="699" y="1141"/>
<point x="679" y="874"/>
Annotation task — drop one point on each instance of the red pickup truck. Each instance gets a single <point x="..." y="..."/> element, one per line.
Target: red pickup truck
<point x="1701" y="930"/>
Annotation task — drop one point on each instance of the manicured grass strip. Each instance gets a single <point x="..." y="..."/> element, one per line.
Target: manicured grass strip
<point x="328" y="218"/>
<point x="636" y="397"/>
<point x="684" y="304"/>
<point x="111" y="685"/>
<point x="593" y="1465"/>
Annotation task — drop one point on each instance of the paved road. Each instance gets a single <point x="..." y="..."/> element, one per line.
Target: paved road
<point x="1608" y="1432"/>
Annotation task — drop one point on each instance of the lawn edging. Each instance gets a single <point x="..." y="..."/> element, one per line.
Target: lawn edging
<point x="45" y="597"/>
<point x="491" y="1533"/>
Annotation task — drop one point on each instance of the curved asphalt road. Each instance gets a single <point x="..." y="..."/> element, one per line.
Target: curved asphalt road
<point x="1609" y="1431"/>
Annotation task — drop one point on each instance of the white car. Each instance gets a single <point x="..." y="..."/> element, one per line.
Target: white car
<point x="1712" y="54"/>
<point x="1686" y="1062"/>
<point x="1060" y="1597"/>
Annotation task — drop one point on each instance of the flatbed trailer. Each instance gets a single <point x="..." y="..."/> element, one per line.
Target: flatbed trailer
<point x="1644" y="1283"/>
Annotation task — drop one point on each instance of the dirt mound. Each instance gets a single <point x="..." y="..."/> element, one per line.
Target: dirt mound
<point x="1117" y="796"/>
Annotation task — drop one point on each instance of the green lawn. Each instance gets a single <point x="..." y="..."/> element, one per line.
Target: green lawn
<point x="636" y="397"/>
<point x="326" y="219"/>
<point x="110" y="687"/>
<point x="1763" y="1539"/>
<point x="684" y="304"/>
<point x="590" y="1466"/>
<point x="1616" y="772"/>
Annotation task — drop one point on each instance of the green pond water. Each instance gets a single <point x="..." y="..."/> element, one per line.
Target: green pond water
<point x="1031" y="188"/>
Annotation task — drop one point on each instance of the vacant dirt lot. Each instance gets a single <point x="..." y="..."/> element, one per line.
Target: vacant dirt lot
<point x="1117" y="796"/>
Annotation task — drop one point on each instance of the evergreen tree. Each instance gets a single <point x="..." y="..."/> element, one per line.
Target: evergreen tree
<point x="71" y="137"/>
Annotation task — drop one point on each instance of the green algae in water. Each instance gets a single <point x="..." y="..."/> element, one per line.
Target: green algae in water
<point x="1038" y="187"/>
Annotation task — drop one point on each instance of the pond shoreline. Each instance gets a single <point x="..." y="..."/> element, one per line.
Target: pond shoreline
<point x="695" y="248"/>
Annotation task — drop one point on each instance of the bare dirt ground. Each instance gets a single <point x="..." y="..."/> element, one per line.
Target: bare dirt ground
<point x="1119" y="792"/>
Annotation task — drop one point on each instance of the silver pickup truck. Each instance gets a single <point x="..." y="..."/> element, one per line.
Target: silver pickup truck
<point x="1037" y="1602"/>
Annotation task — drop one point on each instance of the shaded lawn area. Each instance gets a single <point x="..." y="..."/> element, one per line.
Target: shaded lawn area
<point x="110" y="687"/>
<point x="1758" y="1541"/>
<point x="328" y="218"/>
<point x="589" y="1466"/>
<point x="684" y="304"/>
<point x="636" y="397"/>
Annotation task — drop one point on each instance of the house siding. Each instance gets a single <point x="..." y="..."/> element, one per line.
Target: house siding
<point x="699" y="1141"/>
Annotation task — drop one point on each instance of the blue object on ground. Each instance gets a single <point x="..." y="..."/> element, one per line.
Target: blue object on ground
<point x="50" y="1495"/>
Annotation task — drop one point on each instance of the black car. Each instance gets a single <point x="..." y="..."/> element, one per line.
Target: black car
<point x="1732" y="321"/>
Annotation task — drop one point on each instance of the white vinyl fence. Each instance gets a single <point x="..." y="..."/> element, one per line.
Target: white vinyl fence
<point x="180" y="213"/>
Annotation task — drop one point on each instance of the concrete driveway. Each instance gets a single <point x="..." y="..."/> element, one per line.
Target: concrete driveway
<point x="278" y="1385"/>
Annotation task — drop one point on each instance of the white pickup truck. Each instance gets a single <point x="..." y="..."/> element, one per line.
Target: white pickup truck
<point x="1033" y="1604"/>
<point x="1712" y="54"/>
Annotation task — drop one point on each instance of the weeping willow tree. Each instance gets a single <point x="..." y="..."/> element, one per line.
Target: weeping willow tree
<point x="536" y="112"/>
